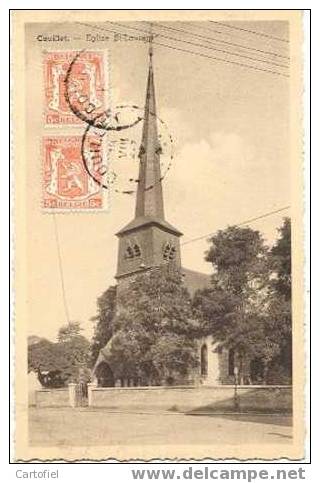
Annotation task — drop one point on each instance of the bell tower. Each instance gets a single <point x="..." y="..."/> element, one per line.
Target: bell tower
<point x="148" y="241"/>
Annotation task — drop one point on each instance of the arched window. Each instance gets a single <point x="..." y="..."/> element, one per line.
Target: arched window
<point x="136" y="250"/>
<point x="169" y="252"/>
<point x="172" y="253"/>
<point x="204" y="360"/>
<point x="231" y="362"/>
<point x="133" y="251"/>
<point x="166" y="251"/>
<point x="129" y="253"/>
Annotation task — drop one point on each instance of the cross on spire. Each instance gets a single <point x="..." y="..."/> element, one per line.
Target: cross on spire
<point x="151" y="47"/>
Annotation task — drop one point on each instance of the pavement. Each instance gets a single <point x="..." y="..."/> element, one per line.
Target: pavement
<point x="98" y="426"/>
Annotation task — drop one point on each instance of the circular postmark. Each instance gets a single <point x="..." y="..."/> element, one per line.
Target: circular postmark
<point x="85" y="108"/>
<point x="111" y="158"/>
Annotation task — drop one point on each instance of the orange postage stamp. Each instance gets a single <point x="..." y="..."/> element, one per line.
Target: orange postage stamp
<point x="66" y="183"/>
<point x="87" y="83"/>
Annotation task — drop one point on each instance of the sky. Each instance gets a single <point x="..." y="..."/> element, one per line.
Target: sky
<point x="230" y="126"/>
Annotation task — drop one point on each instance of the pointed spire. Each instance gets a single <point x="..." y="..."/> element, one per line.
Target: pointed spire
<point x="149" y="200"/>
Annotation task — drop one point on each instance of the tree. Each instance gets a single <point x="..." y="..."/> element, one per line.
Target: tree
<point x="60" y="362"/>
<point x="238" y="256"/>
<point x="280" y="312"/>
<point x="232" y="308"/>
<point x="67" y="332"/>
<point x="42" y="354"/>
<point x="280" y="261"/>
<point x="248" y="306"/>
<point x="154" y="329"/>
<point x="103" y="322"/>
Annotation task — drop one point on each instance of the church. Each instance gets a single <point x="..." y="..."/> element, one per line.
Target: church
<point x="149" y="241"/>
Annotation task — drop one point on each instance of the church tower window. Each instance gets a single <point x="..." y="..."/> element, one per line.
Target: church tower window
<point x="169" y="252"/>
<point x="129" y="253"/>
<point x="136" y="250"/>
<point x="132" y="251"/>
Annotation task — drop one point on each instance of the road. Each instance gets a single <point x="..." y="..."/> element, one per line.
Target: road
<point x="95" y="426"/>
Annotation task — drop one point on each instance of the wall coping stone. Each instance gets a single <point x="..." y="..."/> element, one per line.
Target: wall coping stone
<point x="204" y="387"/>
<point x="53" y="389"/>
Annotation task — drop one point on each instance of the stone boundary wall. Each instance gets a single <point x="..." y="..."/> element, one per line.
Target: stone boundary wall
<point x="192" y="398"/>
<point x="52" y="397"/>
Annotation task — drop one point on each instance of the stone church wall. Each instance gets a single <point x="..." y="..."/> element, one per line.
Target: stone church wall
<point x="218" y="366"/>
<point x="217" y="371"/>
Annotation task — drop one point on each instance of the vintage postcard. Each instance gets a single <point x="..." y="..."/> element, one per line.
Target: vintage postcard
<point x="158" y="224"/>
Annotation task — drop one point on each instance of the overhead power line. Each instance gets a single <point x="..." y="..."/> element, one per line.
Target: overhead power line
<point x="254" y="32"/>
<point x="192" y="52"/>
<point x="208" y="28"/>
<point x="168" y="37"/>
<point x="210" y="39"/>
<point x="63" y="289"/>
<point x="265" y="215"/>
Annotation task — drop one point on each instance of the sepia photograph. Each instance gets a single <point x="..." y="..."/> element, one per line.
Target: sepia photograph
<point x="158" y="219"/>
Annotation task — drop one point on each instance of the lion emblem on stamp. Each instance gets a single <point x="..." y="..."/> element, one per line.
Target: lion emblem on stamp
<point x="87" y="83"/>
<point x="66" y="184"/>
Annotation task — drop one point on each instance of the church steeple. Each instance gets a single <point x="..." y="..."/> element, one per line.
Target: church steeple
<point x="149" y="201"/>
<point x="148" y="241"/>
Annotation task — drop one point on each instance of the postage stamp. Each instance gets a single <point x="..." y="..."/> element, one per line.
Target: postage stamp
<point x="87" y="84"/>
<point x="66" y="184"/>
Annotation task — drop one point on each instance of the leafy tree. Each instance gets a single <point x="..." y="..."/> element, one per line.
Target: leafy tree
<point x="154" y="329"/>
<point x="42" y="354"/>
<point x="280" y="313"/>
<point x="232" y="308"/>
<point x="103" y="322"/>
<point x="63" y="359"/>
<point x="67" y="332"/>
<point x="33" y="339"/>
<point x="280" y="261"/>
<point x="248" y="307"/>
<point x="238" y="256"/>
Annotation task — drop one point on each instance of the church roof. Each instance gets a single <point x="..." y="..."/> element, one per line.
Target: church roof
<point x="195" y="280"/>
<point x="146" y="221"/>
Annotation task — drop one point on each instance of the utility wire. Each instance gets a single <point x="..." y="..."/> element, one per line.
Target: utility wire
<point x="239" y="224"/>
<point x="167" y="37"/>
<point x="249" y="31"/>
<point x="208" y="28"/>
<point x="64" y="297"/>
<point x="191" y="52"/>
<point x="209" y="40"/>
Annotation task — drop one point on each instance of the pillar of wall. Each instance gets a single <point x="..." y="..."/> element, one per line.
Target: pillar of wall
<point x="91" y="386"/>
<point x="72" y="394"/>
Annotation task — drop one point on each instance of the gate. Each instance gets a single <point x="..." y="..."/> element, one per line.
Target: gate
<point x="81" y="394"/>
